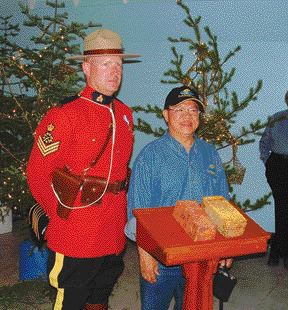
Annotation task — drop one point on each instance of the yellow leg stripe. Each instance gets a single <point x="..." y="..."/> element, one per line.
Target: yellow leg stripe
<point x="59" y="299"/>
<point x="54" y="273"/>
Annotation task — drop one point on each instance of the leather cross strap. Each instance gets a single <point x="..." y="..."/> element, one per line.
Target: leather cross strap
<point x="93" y="163"/>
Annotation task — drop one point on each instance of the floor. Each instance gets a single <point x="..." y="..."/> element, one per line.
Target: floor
<point x="258" y="287"/>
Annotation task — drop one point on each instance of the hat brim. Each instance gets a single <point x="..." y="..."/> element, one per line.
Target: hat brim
<point x="81" y="57"/>
<point x="199" y="103"/>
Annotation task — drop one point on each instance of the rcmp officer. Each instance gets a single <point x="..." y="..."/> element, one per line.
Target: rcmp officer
<point x="86" y="247"/>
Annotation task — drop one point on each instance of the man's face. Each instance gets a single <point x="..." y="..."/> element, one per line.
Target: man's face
<point x="103" y="73"/>
<point x="182" y="119"/>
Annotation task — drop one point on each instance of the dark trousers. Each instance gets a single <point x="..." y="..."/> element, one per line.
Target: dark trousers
<point x="277" y="178"/>
<point x="83" y="280"/>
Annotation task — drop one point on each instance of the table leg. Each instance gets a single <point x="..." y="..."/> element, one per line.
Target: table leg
<point x="198" y="293"/>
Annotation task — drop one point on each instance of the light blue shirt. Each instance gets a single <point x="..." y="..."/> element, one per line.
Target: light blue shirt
<point x="164" y="172"/>
<point x="275" y="136"/>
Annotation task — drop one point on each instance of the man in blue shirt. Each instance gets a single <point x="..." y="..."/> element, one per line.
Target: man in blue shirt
<point x="274" y="153"/>
<point x="177" y="166"/>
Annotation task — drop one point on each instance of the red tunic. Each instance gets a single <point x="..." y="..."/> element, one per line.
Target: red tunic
<point x="73" y="135"/>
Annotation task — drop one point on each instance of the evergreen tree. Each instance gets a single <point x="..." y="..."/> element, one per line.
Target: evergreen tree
<point x="33" y="79"/>
<point x="207" y="75"/>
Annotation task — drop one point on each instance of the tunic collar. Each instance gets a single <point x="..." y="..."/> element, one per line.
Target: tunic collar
<point x="92" y="94"/>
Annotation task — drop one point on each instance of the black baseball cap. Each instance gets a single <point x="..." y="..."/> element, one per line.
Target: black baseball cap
<point x="181" y="94"/>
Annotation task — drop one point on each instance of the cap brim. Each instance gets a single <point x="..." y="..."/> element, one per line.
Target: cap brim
<point x="199" y="102"/>
<point x="81" y="57"/>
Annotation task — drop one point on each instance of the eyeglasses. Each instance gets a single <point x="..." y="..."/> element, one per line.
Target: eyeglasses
<point x="182" y="111"/>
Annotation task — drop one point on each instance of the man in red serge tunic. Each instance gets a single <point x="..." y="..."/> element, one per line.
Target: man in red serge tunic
<point x="85" y="249"/>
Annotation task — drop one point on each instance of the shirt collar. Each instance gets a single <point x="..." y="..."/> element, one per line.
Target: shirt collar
<point x="177" y="146"/>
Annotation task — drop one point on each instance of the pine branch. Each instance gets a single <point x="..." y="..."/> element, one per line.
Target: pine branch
<point x="247" y="206"/>
<point x="146" y="128"/>
<point x="149" y="109"/>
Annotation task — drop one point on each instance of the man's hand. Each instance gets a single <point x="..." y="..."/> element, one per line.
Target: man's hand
<point x="227" y="262"/>
<point x="148" y="266"/>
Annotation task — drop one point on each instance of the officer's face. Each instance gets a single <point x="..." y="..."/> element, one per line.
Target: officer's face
<point x="182" y="119"/>
<point x="104" y="73"/>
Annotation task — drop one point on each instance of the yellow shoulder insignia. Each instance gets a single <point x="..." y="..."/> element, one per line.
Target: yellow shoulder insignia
<point x="47" y="149"/>
<point x="45" y="144"/>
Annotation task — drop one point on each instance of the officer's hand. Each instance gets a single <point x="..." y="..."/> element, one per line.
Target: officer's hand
<point x="148" y="266"/>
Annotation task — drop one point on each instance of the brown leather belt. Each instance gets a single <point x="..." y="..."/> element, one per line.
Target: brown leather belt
<point x="93" y="187"/>
<point x="117" y="187"/>
<point x="114" y="188"/>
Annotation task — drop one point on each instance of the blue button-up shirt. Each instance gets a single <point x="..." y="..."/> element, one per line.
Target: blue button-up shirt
<point x="164" y="172"/>
<point x="275" y="136"/>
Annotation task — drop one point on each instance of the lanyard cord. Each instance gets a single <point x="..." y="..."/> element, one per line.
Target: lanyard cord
<point x="85" y="170"/>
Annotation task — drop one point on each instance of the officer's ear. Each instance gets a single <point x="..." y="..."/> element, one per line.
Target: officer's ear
<point x="86" y="67"/>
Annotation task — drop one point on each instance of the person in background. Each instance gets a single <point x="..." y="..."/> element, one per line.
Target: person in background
<point x="273" y="148"/>
<point x="86" y="243"/>
<point x="177" y="166"/>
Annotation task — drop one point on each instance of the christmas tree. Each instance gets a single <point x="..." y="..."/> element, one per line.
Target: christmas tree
<point x="207" y="75"/>
<point x="33" y="79"/>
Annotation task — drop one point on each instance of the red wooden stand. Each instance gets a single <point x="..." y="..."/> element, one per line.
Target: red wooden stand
<point x="159" y="234"/>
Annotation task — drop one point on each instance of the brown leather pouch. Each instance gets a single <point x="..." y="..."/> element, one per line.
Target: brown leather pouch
<point x="67" y="186"/>
<point x="93" y="188"/>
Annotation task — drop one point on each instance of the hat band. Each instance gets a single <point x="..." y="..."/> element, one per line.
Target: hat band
<point x="103" y="51"/>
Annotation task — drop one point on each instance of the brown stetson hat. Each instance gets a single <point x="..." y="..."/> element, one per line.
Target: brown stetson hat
<point x="103" y="42"/>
